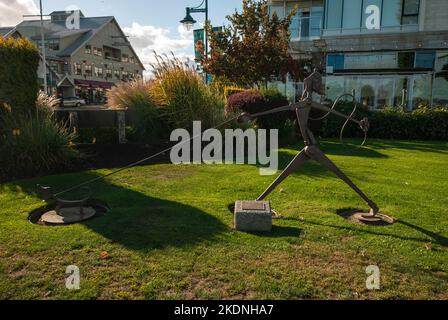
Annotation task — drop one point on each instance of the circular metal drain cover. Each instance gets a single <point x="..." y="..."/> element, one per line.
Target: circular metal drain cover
<point x="49" y="216"/>
<point x="68" y="215"/>
<point x="368" y="219"/>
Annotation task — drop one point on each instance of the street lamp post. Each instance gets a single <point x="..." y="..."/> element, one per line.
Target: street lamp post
<point x="188" y="23"/>
<point x="42" y="38"/>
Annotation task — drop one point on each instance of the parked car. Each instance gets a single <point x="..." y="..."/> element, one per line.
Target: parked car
<point x="73" y="102"/>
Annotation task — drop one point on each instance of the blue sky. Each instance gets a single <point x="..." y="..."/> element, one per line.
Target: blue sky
<point x="151" y="24"/>
<point x="160" y="13"/>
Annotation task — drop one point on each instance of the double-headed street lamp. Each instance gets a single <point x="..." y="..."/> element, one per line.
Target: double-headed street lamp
<point x="188" y="23"/>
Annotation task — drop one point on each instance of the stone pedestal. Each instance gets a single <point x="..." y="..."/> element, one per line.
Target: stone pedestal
<point x="253" y="216"/>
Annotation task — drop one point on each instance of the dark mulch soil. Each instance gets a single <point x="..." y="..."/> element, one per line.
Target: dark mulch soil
<point x="102" y="156"/>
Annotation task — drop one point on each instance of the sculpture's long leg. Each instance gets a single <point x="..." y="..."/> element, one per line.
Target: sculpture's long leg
<point x="317" y="155"/>
<point x="300" y="159"/>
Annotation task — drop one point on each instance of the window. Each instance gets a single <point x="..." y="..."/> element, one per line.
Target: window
<point x="352" y="14"/>
<point x="294" y="28"/>
<point x="117" y="74"/>
<point x="411" y="10"/>
<point x="125" y="75"/>
<point x="385" y="95"/>
<point x="334" y="14"/>
<point x="277" y="9"/>
<point x="421" y="88"/>
<point x="336" y="61"/>
<point x="132" y="60"/>
<point x="425" y="60"/>
<point x="98" y="72"/>
<point x="108" y="73"/>
<point x="440" y="87"/>
<point x="99" y="52"/>
<point x="89" y="49"/>
<point x="88" y="70"/>
<point x="371" y="61"/>
<point x="78" y="69"/>
<point x="125" y="58"/>
<point x="391" y="16"/>
<point x="317" y="14"/>
<point x="52" y="44"/>
<point x="406" y="60"/>
<point x="334" y="87"/>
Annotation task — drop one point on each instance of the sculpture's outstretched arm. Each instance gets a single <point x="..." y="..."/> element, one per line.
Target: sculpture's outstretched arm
<point x="325" y="108"/>
<point x="291" y="107"/>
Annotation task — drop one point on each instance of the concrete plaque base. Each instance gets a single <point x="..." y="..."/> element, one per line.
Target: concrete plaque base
<point x="253" y="216"/>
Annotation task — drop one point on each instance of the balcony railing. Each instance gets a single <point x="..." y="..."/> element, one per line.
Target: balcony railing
<point x="353" y="31"/>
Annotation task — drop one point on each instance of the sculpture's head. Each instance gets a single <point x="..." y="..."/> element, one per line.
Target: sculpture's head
<point x="313" y="84"/>
<point x="316" y="83"/>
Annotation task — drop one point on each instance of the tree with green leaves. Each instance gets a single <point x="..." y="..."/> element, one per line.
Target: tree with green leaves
<point x="253" y="49"/>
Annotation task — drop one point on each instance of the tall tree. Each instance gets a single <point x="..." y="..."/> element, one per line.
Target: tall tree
<point x="253" y="49"/>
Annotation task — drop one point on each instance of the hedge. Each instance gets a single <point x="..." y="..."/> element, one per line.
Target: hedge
<point x="392" y="123"/>
<point x="259" y="101"/>
<point x="19" y="61"/>
<point x="389" y="123"/>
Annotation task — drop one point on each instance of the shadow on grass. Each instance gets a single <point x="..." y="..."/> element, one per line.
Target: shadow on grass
<point x="279" y="232"/>
<point x="314" y="169"/>
<point x="349" y="148"/>
<point x="139" y="221"/>
<point x="436" y="238"/>
<point x="430" y="146"/>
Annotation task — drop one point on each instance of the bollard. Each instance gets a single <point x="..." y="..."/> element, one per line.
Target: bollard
<point x="121" y="121"/>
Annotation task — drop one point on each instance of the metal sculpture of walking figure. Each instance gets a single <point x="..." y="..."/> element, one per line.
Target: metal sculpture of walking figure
<point x="313" y="84"/>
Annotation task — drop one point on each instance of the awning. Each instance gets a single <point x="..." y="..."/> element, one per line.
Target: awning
<point x="94" y="84"/>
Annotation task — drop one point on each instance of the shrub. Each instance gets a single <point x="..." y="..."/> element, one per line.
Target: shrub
<point x="230" y="90"/>
<point x="19" y="60"/>
<point x="184" y="97"/>
<point x="249" y="101"/>
<point x="252" y="102"/>
<point x="274" y="99"/>
<point x="98" y="135"/>
<point x="393" y="123"/>
<point x="33" y="143"/>
<point x="137" y="97"/>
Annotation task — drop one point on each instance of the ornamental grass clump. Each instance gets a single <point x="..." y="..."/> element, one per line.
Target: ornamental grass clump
<point x="184" y="97"/>
<point x="137" y="97"/>
<point x="33" y="143"/>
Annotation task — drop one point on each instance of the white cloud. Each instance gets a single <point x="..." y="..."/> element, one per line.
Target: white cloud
<point x="146" y="39"/>
<point x="12" y="11"/>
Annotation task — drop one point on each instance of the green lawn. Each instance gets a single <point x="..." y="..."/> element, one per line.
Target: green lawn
<point x="169" y="234"/>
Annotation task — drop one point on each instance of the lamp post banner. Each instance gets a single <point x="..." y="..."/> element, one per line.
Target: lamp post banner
<point x="199" y="40"/>
<point x="199" y="48"/>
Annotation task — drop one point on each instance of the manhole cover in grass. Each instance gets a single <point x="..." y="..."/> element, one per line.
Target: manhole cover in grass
<point x="366" y="218"/>
<point x="49" y="216"/>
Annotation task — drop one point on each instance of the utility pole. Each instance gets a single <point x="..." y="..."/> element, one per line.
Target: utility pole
<point x="43" y="48"/>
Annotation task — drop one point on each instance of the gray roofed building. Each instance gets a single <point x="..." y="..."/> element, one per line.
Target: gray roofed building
<point x="5" y="30"/>
<point x="9" y="32"/>
<point x="95" y="53"/>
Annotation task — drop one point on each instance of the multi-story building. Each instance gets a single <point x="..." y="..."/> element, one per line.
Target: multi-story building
<point x="391" y="52"/>
<point x="85" y="60"/>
